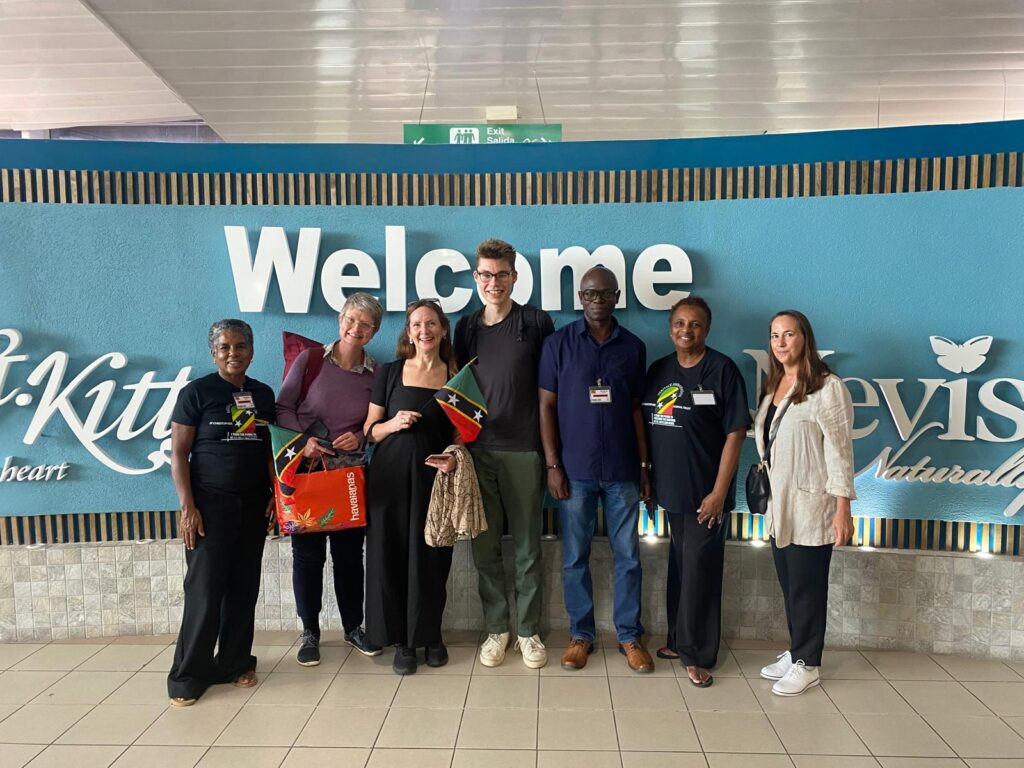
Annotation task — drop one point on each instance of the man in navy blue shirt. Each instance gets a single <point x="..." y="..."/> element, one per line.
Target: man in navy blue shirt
<point x="591" y="380"/>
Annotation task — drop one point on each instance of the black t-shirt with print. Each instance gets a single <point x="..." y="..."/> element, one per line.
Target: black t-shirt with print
<point x="230" y="453"/>
<point x="686" y="439"/>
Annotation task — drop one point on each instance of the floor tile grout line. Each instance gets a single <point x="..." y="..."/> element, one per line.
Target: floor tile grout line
<point x="849" y="724"/>
<point x="921" y="716"/>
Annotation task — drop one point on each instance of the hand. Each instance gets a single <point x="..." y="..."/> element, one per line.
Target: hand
<point x="347" y="442"/>
<point x="190" y="524"/>
<point x="402" y="420"/>
<point x="445" y="465"/>
<point x="710" y="510"/>
<point x="645" y="484"/>
<point x="842" y="523"/>
<point x="651" y="507"/>
<point x="270" y="515"/>
<point x="558" y="484"/>
<point x="313" y="449"/>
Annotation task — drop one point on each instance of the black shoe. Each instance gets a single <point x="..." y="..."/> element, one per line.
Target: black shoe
<point x="357" y="639"/>
<point x="437" y="654"/>
<point x="405" y="660"/>
<point x="309" y="651"/>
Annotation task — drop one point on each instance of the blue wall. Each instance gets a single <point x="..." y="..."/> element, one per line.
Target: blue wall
<point x="878" y="275"/>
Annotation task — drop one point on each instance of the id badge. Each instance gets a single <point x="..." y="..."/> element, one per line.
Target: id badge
<point x="704" y="397"/>
<point x="600" y="395"/>
<point x="244" y="400"/>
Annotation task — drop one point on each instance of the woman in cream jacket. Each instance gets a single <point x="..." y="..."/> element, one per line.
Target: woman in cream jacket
<point x="808" y="411"/>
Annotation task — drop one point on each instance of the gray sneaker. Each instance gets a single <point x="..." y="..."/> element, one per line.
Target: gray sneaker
<point x="309" y="650"/>
<point x="357" y="639"/>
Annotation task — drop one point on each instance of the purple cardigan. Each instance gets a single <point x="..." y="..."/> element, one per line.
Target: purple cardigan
<point x="338" y="397"/>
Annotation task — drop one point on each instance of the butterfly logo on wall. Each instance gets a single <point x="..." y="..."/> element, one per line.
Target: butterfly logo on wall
<point x="961" y="358"/>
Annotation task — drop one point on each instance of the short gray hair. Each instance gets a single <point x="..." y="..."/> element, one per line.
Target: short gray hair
<point x="228" y="326"/>
<point x="365" y="303"/>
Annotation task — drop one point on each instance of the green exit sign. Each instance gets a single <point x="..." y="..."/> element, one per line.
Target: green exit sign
<point x="475" y="133"/>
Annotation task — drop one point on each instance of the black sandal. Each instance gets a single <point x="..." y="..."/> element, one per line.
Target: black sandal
<point x="703" y="684"/>
<point x="666" y="653"/>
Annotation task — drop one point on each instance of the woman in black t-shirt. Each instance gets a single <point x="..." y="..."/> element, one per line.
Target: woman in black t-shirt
<point x="696" y="417"/>
<point x="219" y="463"/>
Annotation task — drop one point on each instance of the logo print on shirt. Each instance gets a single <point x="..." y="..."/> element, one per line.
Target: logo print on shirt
<point x="667" y="399"/>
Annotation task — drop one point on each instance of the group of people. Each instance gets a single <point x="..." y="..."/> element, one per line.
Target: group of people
<point x="575" y="412"/>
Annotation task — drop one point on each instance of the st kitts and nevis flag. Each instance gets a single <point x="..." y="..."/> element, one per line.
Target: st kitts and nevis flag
<point x="463" y="403"/>
<point x="287" y="446"/>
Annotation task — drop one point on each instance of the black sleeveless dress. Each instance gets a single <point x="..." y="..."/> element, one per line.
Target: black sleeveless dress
<point x="406" y="581"/>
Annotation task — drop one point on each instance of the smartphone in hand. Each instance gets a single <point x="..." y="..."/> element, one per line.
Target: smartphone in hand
<point x="326" y="446"/>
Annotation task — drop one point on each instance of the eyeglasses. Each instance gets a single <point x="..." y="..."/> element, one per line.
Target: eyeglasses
<point x="486" y="277"/>
<point x="359" y="324"/>
<point x="424" y="301"/>
<point x="593" y="294"/>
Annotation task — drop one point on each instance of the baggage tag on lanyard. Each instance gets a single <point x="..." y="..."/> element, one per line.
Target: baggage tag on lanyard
<point x="244" y="400"/>
<point x="703" y="397"/>
<point x="600" y="394"/>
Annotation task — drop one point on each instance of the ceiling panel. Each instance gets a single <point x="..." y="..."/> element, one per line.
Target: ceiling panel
<point x="351" y="70"/>
<point x="63" y="67"/>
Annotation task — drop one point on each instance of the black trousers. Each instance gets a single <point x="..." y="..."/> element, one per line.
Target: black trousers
<point x="309" y="555"/>
<point x="222" y="584"/>
<point x="803" y="575"/>
<point x="694" y="593"/>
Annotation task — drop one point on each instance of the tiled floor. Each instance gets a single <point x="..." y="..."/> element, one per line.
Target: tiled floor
<point x="96" y="704"/>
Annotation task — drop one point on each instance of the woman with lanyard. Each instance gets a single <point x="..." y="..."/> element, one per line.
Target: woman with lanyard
<point x="220" y="467"/>
<point x="696" y="417"/>
<point x="804" y="424"/>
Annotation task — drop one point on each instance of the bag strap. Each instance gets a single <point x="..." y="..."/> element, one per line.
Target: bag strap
<point x="773" y="432"/>
<point x="314" y="364"/>
<point x="394" y="374"/>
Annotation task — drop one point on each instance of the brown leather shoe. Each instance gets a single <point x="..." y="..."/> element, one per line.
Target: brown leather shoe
<point x="637" y="657"/>
<point x="575" y="656"/>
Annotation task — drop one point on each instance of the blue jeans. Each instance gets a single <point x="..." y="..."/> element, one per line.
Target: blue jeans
<point x="578" y="517"/>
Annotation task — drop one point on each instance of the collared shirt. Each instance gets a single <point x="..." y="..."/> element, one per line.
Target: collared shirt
<point x="598" y="440"/>
<point x="366" y="366"/>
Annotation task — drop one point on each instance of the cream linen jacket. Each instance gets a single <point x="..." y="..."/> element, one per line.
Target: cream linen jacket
<point x="811" y="464"/>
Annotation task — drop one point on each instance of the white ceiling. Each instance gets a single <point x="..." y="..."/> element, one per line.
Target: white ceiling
<point x="331" y="70"/>
<point x="62" y="67"/>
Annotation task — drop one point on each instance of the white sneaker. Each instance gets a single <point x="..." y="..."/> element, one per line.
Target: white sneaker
<point x="535" y="655"/>
<point x="797" y="680"/>
<point x="492" y="652"/>
<point x="778" y="669"/>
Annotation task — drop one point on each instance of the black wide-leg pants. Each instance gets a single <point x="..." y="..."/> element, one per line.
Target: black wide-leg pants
<point x="222" y="584"/>
<point x="309" y="555"/>
<point x="803" y="576"/>
<point x="694" y="592"/>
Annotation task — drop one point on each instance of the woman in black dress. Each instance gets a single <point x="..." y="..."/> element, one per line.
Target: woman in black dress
<point x="405" y="579"/>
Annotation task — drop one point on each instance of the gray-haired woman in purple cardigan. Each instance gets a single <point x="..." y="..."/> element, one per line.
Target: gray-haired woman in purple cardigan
<point x="339" y="397"/>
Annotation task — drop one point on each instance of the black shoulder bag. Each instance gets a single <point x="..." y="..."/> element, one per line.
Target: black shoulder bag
<point x="759" y="487"/>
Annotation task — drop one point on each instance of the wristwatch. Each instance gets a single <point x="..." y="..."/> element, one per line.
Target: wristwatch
<point x="646" y="465"/>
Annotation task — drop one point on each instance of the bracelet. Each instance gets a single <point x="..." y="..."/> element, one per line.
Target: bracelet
<point x="646" y="465"/>
<point x="554" y="466"/>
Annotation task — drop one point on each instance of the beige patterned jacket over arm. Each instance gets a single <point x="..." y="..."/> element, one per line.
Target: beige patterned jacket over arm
<point x="456" y="510"/>
<point x="811" y="464"/>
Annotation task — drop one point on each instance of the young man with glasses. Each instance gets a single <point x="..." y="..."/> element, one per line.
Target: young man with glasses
<point x="591" y="381"/>
<point x="506" y="339"/>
